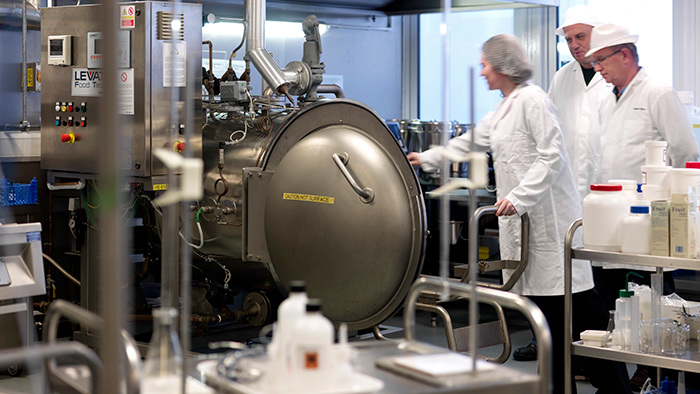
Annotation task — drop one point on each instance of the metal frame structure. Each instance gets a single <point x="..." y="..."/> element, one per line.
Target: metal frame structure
<point x="57" y="378"/>
<point x="457" y="337"/>
<point x="689" y="362"/>
<point x="528" y="308"/>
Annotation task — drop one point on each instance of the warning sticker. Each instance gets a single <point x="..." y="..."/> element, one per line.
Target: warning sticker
<point x="126" y="15"/>
<point x="308" y="197"/>
<point x="174" y="64"/>
<point x="125" y="90"/>
<point x="160" y="186"/>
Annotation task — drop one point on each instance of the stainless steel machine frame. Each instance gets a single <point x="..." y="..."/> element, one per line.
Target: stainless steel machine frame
<point x="148" y="123"/>
<point x="689" y="362"/>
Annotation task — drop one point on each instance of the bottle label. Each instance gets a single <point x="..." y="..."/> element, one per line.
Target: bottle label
<point x="310" y="359"/>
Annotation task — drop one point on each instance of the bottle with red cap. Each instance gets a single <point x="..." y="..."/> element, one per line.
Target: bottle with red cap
<point x="604" y="209"/>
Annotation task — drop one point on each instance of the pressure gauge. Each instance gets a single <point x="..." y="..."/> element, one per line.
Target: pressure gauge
<point x="60" y="53"/>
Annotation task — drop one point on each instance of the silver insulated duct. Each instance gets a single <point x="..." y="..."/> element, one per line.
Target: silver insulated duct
<point x="263" y="62"/>
<point x="11" y="15"/>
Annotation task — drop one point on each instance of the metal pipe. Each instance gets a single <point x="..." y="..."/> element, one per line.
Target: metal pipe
<point x="186" y="252"/>
<point x="528" y="308"/>
<point x="473" y="234"/>
<point x="76" y="314"/>
<point x="62" y="270"/>
<point x="11" y="15"/>
<point x="113" y="237"/>
<point x="211" y="59"/>
<point x="331" y="88"/>
<point x="45" y="352"/>
<point x="568" y="243"/>
<point x="24" y="124"/>
<point x="263" y="62"/>
<point x="245" y="32"/>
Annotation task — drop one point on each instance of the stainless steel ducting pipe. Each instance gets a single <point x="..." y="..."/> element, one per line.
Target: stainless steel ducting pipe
<point x="11" y="15"/>
<point x="25" y="124"/>
<point x="255" y="41"/>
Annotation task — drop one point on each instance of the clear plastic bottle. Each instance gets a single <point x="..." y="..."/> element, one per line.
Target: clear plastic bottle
<point x="636" y="231"/>
<point x="624" y="318"/>
<point x="162" y="370"/>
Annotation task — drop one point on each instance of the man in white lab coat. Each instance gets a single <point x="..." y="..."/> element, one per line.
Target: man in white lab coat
<point x="579" y="92"/>
<point x="639" y="108"/>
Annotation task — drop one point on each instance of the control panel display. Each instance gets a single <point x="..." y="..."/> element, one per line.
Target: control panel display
<point x="94" y="49"/>
<point x="60" y="53"/>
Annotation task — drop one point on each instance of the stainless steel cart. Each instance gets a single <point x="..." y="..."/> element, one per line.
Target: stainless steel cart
<point x="690" y="361"/>
<point x="373" y="357"/>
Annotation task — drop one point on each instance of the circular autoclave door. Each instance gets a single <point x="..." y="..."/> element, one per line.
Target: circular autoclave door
<point x="359" y="254"/>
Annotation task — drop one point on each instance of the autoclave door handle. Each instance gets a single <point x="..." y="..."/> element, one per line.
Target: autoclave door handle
<point x="366" y="194"/>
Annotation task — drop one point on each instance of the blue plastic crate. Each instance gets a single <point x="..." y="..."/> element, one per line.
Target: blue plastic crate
<point x="17" y="193"/>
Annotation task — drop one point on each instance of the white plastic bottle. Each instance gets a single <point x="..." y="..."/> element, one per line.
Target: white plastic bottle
<point x="604" y="209"/>
<point x="629" y="189"/>
<point x="312" y="355"/>
<point x="289" y="311"/>
<point x="636" y="231"/>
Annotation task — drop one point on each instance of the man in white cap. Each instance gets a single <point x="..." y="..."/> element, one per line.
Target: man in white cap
<point x="578" y="92"/>
<point x="639" y="109"/>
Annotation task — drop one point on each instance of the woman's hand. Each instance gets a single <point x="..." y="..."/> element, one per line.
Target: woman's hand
<point x="414" y="158"/>
<point x="505" y="208"/>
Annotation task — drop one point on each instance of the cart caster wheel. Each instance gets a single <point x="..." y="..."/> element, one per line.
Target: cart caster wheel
<point x="15" y="370"/>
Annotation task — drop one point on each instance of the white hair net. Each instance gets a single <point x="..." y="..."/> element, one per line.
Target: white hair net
<point x="506" y="56"/>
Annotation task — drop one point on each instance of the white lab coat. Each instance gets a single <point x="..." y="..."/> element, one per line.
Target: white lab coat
<point x="579" y="107"/>
<point x="648" y="110"/>
<point x="532" y="172"/>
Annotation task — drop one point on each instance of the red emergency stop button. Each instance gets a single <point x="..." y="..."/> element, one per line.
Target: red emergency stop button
<point x="68" y="137"/>
<point x="179" y="146"/>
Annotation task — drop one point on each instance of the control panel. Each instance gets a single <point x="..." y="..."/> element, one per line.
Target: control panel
<point x="146" y="60"/>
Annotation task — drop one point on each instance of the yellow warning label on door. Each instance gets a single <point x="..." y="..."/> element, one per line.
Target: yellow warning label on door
<point x="308" y="197"/>
<point x="161" y="186"/>
<point x="483" y="252"/>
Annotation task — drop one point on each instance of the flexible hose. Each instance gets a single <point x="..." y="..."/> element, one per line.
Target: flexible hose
<point x="61" y="270"/>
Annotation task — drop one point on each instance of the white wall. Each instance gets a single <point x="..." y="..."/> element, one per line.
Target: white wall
<point x="652" y="20"/>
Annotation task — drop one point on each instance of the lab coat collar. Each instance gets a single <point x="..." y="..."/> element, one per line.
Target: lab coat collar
<point x="579" y="70"/>
<point x="638" y="78"/>
<point x="505" y="104"/>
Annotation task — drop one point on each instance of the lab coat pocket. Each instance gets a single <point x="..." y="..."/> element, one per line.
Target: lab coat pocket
<point x="635" y="133"/>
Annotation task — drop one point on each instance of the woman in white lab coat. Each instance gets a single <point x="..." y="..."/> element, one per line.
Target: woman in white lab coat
<point x="533" y="176"/>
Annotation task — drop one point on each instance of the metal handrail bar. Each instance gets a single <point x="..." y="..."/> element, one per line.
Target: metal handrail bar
<point x="568" y="243"/>
<point x="51" y="351"/>
<point x="524" y="248"/>
<point x="76" y="314"/>
<point x="537" y="321"/>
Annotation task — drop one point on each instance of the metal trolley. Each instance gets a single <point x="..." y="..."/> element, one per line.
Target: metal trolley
<point x="374" y="358"/>
<point x="489" y="333"/>
<point x="690" y="361"/>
